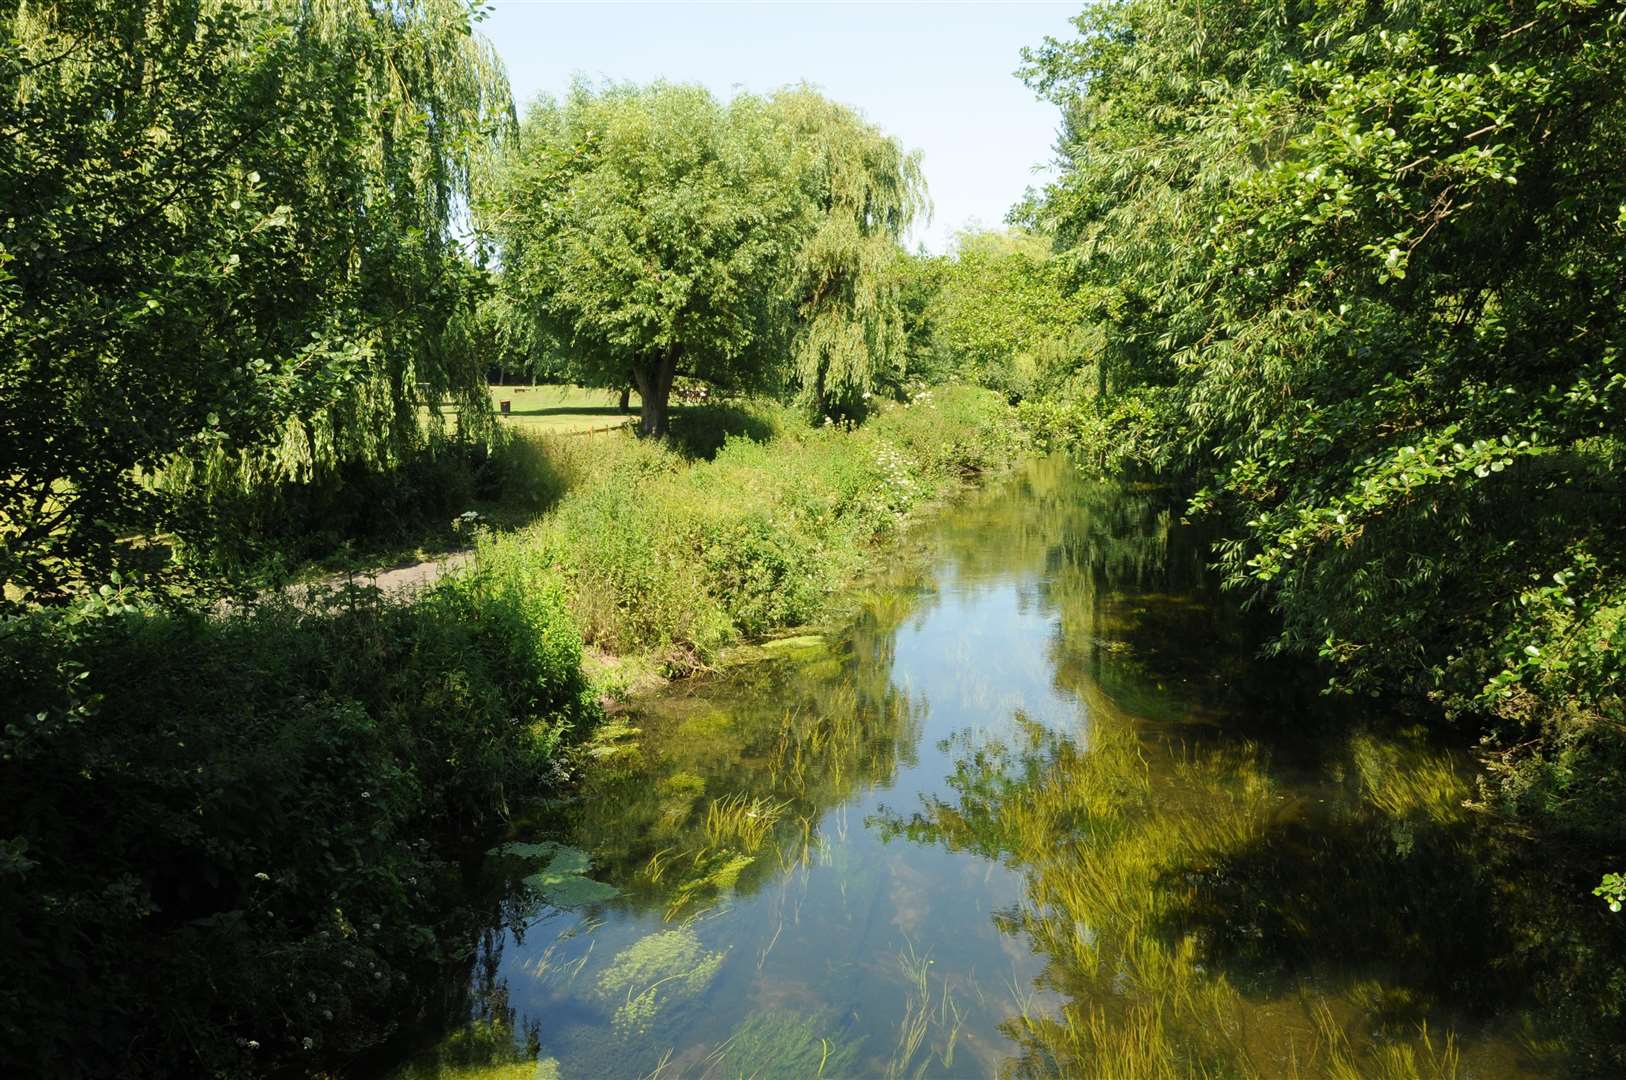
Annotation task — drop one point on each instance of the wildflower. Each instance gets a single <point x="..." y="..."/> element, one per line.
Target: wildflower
<point x="263" y="876"/>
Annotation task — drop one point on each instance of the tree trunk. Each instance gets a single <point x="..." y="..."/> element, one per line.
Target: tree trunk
<point x="626" y="399"/>
<point x="655" y="388"/>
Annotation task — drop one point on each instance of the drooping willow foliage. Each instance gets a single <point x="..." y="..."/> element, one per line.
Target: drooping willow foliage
<point x="866" y="191"/>
<point x="651" y="232"/>
<point x="230" y="253"/>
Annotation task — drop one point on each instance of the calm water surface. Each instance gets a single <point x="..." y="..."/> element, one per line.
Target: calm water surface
<point x="1035" y="809"/>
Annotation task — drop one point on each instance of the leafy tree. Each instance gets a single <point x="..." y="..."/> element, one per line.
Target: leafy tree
<point x="229" y="252"/>
<point x="652" y="232"/>
<point x="1004" y="314"/>
<point x="864" y="192"/>
<point x="1367" y="266"/>
<point x="645" y="231"/>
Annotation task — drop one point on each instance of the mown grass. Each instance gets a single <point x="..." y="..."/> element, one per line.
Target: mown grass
<point x="561" y="409"/>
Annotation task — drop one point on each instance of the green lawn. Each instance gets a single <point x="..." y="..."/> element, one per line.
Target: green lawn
<point x="561" y="410"/>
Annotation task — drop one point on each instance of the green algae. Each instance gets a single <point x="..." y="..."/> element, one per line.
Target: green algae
<point x="654" y="973"/>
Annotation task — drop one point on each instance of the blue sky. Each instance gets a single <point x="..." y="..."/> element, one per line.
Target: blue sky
<point x="937" y="75"/>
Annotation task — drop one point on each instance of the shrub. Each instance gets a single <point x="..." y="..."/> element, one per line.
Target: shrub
<point x="225" y="838"/>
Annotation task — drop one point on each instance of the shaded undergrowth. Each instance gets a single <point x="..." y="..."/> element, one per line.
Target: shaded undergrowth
<point x="231" y="838"/>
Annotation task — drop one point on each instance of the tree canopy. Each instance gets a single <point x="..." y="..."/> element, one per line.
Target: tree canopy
<point x="230" y="251"/>
<point x="1366" y="268"/>
<point x="1003" y="313"/>
<point x="863" y="192"/>
<point x="648" y="232"/>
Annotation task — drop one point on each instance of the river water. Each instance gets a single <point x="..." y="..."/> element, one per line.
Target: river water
<point x="1035" y="807"/>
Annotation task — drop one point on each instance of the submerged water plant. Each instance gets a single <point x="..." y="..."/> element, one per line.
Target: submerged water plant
<point x="654" y="972"/>
<point x="777" y="1044"/>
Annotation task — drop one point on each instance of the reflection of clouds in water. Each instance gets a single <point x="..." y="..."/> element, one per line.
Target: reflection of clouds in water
<point x="909" y="894"/>
<point x="984" y="657"/>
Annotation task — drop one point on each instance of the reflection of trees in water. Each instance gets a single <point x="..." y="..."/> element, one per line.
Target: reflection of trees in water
<point x="1051" y="516"/>
<point x="1125" y="581"/>
<point x="725" y="792"/>
<point x="1197" y="917"/>
<point x="1202" y="909"/>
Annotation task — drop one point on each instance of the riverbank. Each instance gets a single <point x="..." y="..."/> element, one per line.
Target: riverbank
<point x="1037" y="807"/>
<point x="747" y="525"/>
<point x="232" y="835"/>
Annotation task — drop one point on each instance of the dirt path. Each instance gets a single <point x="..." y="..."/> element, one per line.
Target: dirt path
<point x="406" y="578"/>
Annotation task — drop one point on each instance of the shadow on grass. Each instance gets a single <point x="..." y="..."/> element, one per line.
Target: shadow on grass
<point x="360" y="519"/>
<point x="576" y="410"/>
<point x="699" y="431"/>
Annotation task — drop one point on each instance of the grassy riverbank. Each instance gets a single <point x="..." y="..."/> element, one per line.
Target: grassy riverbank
<point x="747" y="524"/>
<point x="231" y="833"/>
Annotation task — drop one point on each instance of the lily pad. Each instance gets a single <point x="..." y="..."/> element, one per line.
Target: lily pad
<point x="562" y="881"/>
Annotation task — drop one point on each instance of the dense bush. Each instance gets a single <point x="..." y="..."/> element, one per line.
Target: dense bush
<point x="999" y="311"/>
<point x="224" y="843"/>
<point x="676" y="558"/>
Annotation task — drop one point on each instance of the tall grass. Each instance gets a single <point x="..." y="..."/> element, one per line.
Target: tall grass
<point x="663" y="553"/>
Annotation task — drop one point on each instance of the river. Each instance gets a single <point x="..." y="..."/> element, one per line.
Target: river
<point x="1034" y="807"/>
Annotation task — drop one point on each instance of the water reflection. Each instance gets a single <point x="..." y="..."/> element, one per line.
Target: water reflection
<point x="1036" y="811"/>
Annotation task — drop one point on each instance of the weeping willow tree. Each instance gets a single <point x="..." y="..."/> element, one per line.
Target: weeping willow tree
<point x="864" y="191"/>
<point x="230" y="254"/>
<point x="644" y="232"/>
<point x="653" y="232"/>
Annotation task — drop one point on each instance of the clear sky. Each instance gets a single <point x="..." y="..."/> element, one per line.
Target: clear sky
<point x="938" y="75"/>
